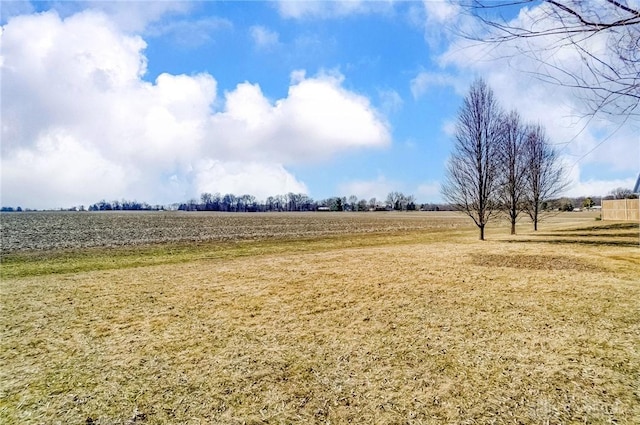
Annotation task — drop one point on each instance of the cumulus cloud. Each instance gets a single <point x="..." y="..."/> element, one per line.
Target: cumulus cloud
<point x="239" y="178"/>
<point x="317" y="119"/>
<point x="69" y="167"/>
<point x="80" y="123"/>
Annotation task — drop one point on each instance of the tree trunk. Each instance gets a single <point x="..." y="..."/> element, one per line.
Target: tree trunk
<point x="513" y="227"/>
<point x="481" y="232"/>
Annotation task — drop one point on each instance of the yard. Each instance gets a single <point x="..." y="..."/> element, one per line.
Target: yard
<point x="395" y="318"/>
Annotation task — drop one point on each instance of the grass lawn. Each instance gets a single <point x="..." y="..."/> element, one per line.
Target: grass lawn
<point x="415" y="327"/>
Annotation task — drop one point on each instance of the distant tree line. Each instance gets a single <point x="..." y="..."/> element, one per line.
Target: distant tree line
<point x="292" y="202"/>
<point x="123" y="205"/>
<point x="395" y="201"/>
<point x="621" y="193"/>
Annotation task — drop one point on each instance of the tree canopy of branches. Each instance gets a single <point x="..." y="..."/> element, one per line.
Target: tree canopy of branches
<point x="472" y="178"/>
<point x="498" y="163"/>
<point x="295" y="202"/>
<point x="622" y="193"/>
<point x="604" y="34"/>
<point x="513" y="165"/>
<point x="545" y="175"/>
<point x="398" y="201"/>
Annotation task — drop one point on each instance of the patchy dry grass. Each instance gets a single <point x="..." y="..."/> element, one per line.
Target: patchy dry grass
<point x="406" y="327"/>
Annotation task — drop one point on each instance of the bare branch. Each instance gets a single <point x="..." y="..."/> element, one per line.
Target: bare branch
<point x="610" y="78"/>
<point x="472" y="170"/>
<point x="545" y="177"/>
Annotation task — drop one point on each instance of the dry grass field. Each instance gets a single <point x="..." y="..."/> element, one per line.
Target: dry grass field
<point x="408" y="324"/>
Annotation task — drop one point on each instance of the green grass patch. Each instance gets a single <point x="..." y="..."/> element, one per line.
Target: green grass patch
<point x="38" y="263"/>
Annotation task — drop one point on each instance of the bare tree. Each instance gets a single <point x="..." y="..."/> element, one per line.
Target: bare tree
<point x="513" y="167"/>
<point x="471" y="180"/>
<point x="400" y="202"/>
<point x="545" y="177"/>
<point x="604" y="34"/>
<point x="621" y="193"/>
<point x="393" y="200"/>
<point x="353" y="203"/>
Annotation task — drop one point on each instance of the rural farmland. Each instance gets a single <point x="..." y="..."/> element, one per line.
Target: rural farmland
<point x="46" y="231"/>
<point x="385" y="318"/>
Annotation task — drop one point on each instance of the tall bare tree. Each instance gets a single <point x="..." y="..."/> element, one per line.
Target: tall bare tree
<point x="545" y="177"/>
<point x="471" y="180"/>
<point x="513" y="167"/>
<point x="603" y="34"/>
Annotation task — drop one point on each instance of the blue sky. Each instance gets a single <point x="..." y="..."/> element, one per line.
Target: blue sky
<point x="161" y="101"/>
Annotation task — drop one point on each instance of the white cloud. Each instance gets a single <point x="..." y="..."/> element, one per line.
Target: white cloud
<point x="69" y="167"/>
<point x="54" y="74"/>
<point x="594" y="187"/>
<point x="190" y="33"/>
<point x="390" y="101"/>
<point x="429" y="191"/>
<point x="449" y="128"/>
<point x="367" y="189"/>
<point x="441" y="11"/>
<point x="424" y="81"/>
<point x="133" y="16"/>
<point x="80" y="124"/>
<point x="316" y="120"/>
<point x="380" y="187"/>
<point x="331" y="8"/>
<point x="128" y="16"/>
<point x="263" y="37"/>
<point x="241" y="178"/>
<point x="299" y="9"/>
<point x="440" y="20"/>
